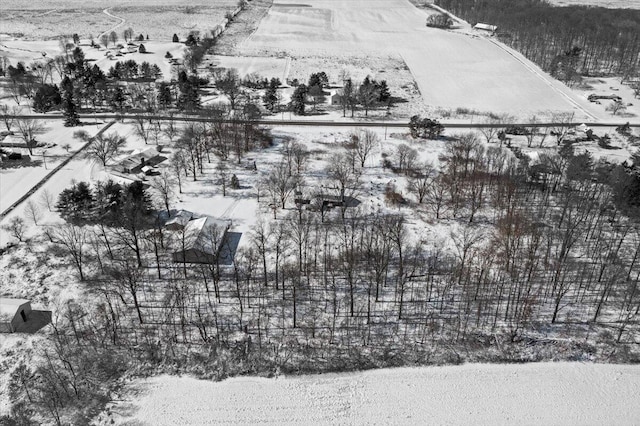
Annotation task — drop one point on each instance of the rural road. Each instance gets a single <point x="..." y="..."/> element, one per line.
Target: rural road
<point x="328" y="123"/>
<point x="122" y="21"/>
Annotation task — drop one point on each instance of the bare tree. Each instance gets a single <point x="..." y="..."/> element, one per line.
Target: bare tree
<point x="405" y="158"/>
<point x="48" y="199"/>
<point x="32" y="212"/>
<point x="164" y="185"/>
<point x="280" y="183"/>
<point x="28" y="129"/>
<point x="223" y="176"/>
<point x="105" y="148"/>
<point x="421" y="179"/>
<point x="7" y="113"/>
<point x="562" y="123"/>
<point x="362" y="143"/>
<point x="341" y="174"/>
<point x="170" y="128"/>
<point x="616" y="106"/>
<point x="113" y="37"/>
<point x="73" y="238"/>
<point x="16" y="228"/>
<point x="143" y="127"/>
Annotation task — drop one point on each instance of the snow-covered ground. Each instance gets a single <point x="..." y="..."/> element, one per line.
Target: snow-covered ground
<point x="479" y="394"/>
<point x="612" y="4"/>
<point x="452" y="68"/>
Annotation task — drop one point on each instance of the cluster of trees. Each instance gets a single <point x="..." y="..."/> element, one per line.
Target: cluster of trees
<point x="369" y="94"/>
<point x="566" y="40"/>
<point x="130" y="69"/>
<point x="105" y="203"/>
<point x="556" y="254"/>
<point x="425" y="127"/>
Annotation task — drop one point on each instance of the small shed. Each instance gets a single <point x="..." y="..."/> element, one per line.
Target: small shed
<point x="13" y="312"/>
<point x="485" y="27"/>
<point x="201" y="240"/>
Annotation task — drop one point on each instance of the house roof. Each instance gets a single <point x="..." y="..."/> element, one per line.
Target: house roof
<point x="8" y="307"/>
<point x="181" y="218"/>
<point x="487" y="27"/>
<point x="198" y="234"/>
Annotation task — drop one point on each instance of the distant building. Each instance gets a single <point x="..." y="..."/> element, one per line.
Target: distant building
<point x="13" y="313"/>
<point x="485" y="27"/>
<point x="201" y="240"/>
<point x="335" y="99"/>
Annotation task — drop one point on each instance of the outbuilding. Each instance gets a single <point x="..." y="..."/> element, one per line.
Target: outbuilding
<point x="13" y="313"/>
<point x="485" y="27"/>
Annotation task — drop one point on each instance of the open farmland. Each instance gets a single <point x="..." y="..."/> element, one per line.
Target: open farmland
<point x="159" y="19"/>
<point x="611" y="4"/>
<point x="563" y="393"/>
<point x="452" y="68"/>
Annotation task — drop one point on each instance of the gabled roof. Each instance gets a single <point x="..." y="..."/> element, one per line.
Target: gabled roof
<point x="9" y="307"/>
<point x="198" y="234"/>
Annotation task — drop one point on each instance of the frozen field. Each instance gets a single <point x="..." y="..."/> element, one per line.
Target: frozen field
<point x="530" y="394"/>
<point x="452" y="69"/>
<point x="613" y="4"/>
<point x="157" y="18"/>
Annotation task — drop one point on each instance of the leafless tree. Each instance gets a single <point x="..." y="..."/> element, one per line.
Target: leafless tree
<point x="16" y="228"/>
<point x="28" y="128"/>
<point x="48" y="199"/>
<point x="223" y="176"/>
<point x="164" y="185"/>
<point x="105" y="148"/>
<point x="7" y="113"/>
<point x="405" y="158"/>
<point x="113" y="37"/>
<point x="562" y="123"/>
<point x="73" y="238"/>
<point x="32" y="212"/>
<point x="280" y="183"/>
<point x="170" y="128"/>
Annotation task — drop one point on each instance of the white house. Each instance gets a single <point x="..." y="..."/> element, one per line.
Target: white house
<point x="13" y="313"/>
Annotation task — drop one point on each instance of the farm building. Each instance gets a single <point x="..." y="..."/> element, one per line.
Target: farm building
<point x="13" y="313"/>
<point x="201" y="240"/>
<point x="134" y="163"/>
<point x="485" y="27"/>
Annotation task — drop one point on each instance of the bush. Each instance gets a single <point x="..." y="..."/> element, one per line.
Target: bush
<point x="439" y="21"/>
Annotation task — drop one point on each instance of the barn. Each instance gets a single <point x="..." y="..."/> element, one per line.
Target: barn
<point x="485" y="27"/>
<point x="13" y="313"/>
<point x="201" y="240"/>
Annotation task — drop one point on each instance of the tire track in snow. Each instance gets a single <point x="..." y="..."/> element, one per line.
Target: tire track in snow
<point x="543" y="78"/>
<point x="122" y="21"/>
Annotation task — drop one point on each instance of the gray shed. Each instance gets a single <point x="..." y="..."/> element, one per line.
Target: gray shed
<point x="13" y="312"/>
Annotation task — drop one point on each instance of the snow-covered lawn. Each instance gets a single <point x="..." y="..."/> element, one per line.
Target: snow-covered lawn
<point x="529" y="394"/>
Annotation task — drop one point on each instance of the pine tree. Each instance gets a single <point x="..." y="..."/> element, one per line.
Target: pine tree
<point x="71" y="118"/>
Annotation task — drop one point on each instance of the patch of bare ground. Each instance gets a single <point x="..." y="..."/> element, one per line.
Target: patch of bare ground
<point x="244" y="24"/>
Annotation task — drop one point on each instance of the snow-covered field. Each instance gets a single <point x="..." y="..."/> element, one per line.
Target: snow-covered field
<point x="612" y="4"/>
<point x="531" y="394"/>
<point x="158" y="18"/>
<point x="452" y="68"/>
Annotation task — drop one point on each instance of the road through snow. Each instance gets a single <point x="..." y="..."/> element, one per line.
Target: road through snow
<point x="479" y="394"/>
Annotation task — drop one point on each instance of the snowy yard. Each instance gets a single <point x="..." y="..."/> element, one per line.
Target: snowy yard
<point x="480" y="394"/>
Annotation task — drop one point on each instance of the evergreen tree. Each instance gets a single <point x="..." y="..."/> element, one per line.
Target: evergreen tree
<point x="298" y="99"/>
<point x="71" y="118"/>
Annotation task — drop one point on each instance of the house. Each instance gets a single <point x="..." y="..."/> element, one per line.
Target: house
<point x="335" y="99"/>
<point x="180" y="220"/>
<point x="201" y="240"/>
<point x="134" y="163"/>
<point x="485" y="27"/>
<point x="13" y="313"/>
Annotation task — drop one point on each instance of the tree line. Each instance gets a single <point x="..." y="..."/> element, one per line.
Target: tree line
<point x="566" y="41"/>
